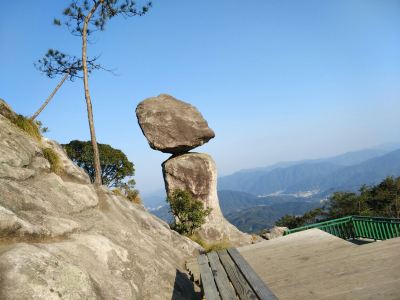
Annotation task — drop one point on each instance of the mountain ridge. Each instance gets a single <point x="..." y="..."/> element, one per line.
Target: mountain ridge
<point x="318" y="175"/>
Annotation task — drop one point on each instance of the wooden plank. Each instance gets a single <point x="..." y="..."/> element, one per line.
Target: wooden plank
<point x="225" y="288"/>
<point x="207" y="279"/>
<point x="240" y="284"/>
<point x="258" y="285"/>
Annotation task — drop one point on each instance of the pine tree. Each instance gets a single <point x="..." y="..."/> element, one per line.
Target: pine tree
<point x="83" y="18"/>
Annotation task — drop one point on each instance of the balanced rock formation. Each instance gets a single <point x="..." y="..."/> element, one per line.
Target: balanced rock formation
<point x="171" y="125"/>
<point x="174" y="126"/>
<point x="63" y="238"/>
<point x="197" y="174"/>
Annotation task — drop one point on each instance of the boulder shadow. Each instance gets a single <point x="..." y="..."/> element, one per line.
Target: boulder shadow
<point x="184" y="288"/>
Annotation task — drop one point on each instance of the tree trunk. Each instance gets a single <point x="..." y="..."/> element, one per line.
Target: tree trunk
<point x="96" y="157"/>
<point x="51" y="96"/>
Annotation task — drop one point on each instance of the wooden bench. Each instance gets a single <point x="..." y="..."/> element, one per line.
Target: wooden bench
<point x="226" y="275"/>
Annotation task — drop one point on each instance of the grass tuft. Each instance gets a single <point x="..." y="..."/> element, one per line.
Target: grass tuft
<point x="209" y="247"/>
<point x="131" y="195"/>
<point x="54" y="160"/>
<point x="28" y="126"/>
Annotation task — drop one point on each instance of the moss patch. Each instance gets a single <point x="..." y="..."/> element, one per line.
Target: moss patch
<point x="28" y="126"/>
<point x="54" y="160"/>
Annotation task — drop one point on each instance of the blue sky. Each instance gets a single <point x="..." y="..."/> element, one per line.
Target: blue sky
<point x="276" y="80"/>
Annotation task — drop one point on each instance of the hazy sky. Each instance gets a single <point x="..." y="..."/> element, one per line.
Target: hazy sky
<point x="276" y="80"/>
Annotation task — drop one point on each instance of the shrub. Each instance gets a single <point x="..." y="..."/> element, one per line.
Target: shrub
<point x="189" y="213"/>
<point x="42" y="129"/>
<point x="117" y="192"/>
<point x="128" y="192"/>
<point x="54" y="160"/>
<point x="134" y="197"/>
<point x="27" y="125"/>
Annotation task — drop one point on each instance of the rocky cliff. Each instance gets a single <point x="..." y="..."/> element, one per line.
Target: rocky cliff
<point x="63" y="238"/>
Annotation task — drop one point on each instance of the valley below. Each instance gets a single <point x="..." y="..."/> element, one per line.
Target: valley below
<point x="254" y="199"/>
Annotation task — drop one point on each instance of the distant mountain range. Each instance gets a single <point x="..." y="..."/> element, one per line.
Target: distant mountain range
<point x="155" y="199"/>
<point x="253" y="214"/>
<point x="345" y="172"/>
<point x="255" y="199"/>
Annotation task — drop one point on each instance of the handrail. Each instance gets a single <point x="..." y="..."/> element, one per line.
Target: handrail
<point x="355" y="227"/>
<point x="316" y="225"/>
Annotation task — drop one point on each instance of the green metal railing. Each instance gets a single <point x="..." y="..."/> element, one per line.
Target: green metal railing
<point x="355" y="227"/>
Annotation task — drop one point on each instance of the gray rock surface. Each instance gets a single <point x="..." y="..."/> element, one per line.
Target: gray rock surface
<point x="274" y="232"/>
<point x="197" y="174"/>
<point x="62" y="238"/>
<point x="171" y="125"/>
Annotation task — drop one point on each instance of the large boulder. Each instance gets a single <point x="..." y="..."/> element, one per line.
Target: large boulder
<point x="197" y="174"/>
<point x="63" y="238"/>
<point x="171" y="125"/>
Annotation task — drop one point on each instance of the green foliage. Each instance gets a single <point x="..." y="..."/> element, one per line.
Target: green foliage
<point x="27" y="125"/>
<point x="189" y="213"/>
<point x="42" y="129"/>
<point x="209" y="247"/>
<point x="101" y="11"/>
<point x="55" y="63"/>
<point x="128" y="191"/>
<point x="115" y="166"/>
<point x="54" y="160"/>
<point x="345" y="204"/>
<point x="290" y="221"/>
<point x="381" y="200"/>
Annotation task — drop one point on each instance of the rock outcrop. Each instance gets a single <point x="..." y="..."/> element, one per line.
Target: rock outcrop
<point x="169" y="124"/>
<point x="63" y="238"/>
<point x="274" y="232"/>
<point x="197" y="173"/>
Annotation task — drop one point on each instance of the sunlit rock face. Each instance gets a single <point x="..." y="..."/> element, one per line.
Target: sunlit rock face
<point x="176" y="127"/>
<point x="172" y="126"/>
<point x="63" y="238"/>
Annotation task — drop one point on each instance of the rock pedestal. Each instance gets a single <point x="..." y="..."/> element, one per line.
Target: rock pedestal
<point x="173" y="126"/>
<point x="197" y="174"/>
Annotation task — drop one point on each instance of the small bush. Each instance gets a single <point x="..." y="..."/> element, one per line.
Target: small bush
<point x="29" y="126"/>
<point x="189" y="213"/>
<point x="54" y="160"/>
<point x="117" y="192"/>
<point x="128" y="193"/>
<point x="42" y="129"/>
<point x="135" y="198"/>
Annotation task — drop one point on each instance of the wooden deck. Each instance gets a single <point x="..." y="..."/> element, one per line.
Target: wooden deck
<point x="226" y="275"/>
<point x="313" y="264"/>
